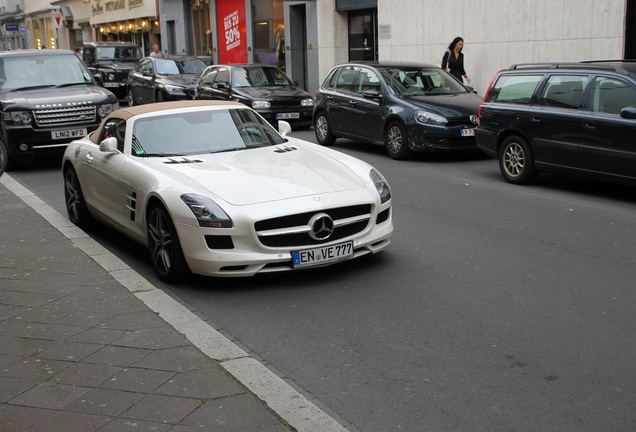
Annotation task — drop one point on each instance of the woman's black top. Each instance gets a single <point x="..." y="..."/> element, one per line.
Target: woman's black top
<point x="455" y="65"/>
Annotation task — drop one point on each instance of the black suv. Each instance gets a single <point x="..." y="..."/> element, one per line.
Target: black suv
<point x="47" y="99"/>
<point x="111" y="62"/>
<point x="576" y="118"/>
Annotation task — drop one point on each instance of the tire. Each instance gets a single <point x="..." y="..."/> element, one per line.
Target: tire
<point x="164" y="246"/>
<point x="396" y="142"/>
<point x="516" y="162"/>
<point x="74" y="199"/>
<point x="159" y="97"/>
<point x="4" y="158"/>
<point x="324" y="136"/>
<point x="131" y="98"/>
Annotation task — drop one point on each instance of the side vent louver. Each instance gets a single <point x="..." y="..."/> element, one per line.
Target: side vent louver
<point x="182" y="161"/>
<point x="285" y="149"/>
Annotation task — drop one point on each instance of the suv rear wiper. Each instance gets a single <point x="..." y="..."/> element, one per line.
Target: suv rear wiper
<point x="34" y="87"/>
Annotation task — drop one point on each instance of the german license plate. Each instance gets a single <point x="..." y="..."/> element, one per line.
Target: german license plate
<point x="111" y="84"/>
<point x="73" y="133"/>
<point x="322" y="255"/>
<point x="287" y="116"/>
<point x="468" y="132"/>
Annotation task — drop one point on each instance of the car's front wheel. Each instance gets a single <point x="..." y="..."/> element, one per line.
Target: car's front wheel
<point x="516" y="162"/>
<point x="324" y="136"/>
<point x="396" y="142"/>
<point x="4" y="158"/>
<point x="74" y="198"/>
<point x="131" y="98"/>
<point x="159" y="97"/>
<point x="163" y="244"/>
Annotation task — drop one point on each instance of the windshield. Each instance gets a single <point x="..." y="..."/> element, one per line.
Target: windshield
<point x="201" y="132"/>
<point x="119" y="53"/>
<point x="421" y="82"/>
<point x="179" y="67"/>
<point x="42" y="71"/>
<point x="259" y="77"/>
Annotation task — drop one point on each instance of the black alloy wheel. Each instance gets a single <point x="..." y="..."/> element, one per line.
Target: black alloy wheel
<point x="516" y="162"/>
<point x="323" y="130"/>
<point x="159" y="96"/>
<point x="4" y="158"/>
<point x="396" y="142"/>
<point x="163" y="244"/>
<point x="76" y="208"/>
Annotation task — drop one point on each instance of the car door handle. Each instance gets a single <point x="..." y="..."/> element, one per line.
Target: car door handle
<point x="533" y="118"/>
<point x="89" y="158"/>
<point x="589" y="124"/>
<point x="352" y="102"/>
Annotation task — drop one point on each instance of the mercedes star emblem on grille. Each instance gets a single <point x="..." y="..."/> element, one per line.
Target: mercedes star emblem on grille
<point x="321" y="226"/>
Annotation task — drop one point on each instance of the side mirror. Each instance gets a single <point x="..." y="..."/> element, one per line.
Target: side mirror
<point x="222" y="86"/>
<point x="99" y="79"/>
<point x="109" y="145"/>
<point x="284" y="128"/>
<point x="629" y="112"/>
<point x="371" y="94"/>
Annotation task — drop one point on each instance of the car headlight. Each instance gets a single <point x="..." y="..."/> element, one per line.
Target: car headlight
<point x="207" y="212"/>
<point x="381" y="185"/>
<point x="260" y="104"/>
<point x="18" y="117"/>
<point x="307" y="102"/>
<point x="111" y="77"/>
<point x="174" y="89"/>
<point x="106" y="109"/>
<point x="426" y="117"/>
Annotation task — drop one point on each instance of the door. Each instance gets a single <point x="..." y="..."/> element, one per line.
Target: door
<point x="340" y="95"/>
<point x="365" y="114"/>
<point x="363" y="35"/>
<point x="608" y="144"/>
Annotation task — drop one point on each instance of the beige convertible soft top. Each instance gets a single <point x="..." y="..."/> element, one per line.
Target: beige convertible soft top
<point x="127" y="112"/>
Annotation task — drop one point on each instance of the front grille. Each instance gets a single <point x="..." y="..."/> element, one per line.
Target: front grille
<point x="64" y="116"/>
<point x="348" y="221"/>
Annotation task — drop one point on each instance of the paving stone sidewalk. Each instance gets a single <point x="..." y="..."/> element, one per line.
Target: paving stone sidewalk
<point x="80" y="352"/>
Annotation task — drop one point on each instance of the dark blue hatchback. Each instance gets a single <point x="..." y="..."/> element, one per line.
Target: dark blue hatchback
<point x="406" y="106"/>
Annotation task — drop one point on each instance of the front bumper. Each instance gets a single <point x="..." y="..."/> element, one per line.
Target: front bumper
<point x="432" y="138"/>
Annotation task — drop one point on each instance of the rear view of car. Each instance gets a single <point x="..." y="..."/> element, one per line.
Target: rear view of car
<point x="572" y="118"/>
<point x="47" y="98"/>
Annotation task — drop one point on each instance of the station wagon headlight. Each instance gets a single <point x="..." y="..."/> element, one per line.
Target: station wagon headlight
<point x="207" y="212"/>
<point x="307" y="102"/>
<point x="18" y="117"/>
<point x="381" y="185"/>
<point x="106" y="109"/>
<point x="260" y="104"/>
<point x="426" y="117"/>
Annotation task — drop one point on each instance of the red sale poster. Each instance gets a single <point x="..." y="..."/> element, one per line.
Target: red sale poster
<point x="232" y="35"/>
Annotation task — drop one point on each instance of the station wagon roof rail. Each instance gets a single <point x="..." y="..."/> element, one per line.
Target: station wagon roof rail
<point x="590" y="64"/>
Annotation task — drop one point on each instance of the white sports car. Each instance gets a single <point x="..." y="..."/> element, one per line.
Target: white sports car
<point x="212" y="188"/>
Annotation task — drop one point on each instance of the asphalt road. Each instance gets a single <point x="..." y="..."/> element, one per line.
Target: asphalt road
<point x="496" y="307"/>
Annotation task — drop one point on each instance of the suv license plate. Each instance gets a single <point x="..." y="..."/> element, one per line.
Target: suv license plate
<point x="322" y="255"/>
<point x="111" y="84"/>
<point x="468" y="132"/>
<point x="75" y="133"/>
<point x="286" y="116"/>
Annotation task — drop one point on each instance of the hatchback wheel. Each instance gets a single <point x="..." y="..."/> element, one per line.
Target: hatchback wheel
<point x="163" y="244"/>
<point x="516" y="161"/>
<point x="396" y="142"/>
<point x="323" y="130"/>
<point x="74" y="198"/>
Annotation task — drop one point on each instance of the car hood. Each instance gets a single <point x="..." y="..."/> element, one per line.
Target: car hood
<point x="56" y="97"/>
<point x="180" y="79"/>
<point x="272" y="92"/>
<point x="265" y="174"/>
<point x="449" y="105"/>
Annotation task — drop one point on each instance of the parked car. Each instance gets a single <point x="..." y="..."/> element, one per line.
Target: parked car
<point x="159" y="79"/>
<point x="213" y="188"/>
<point x="263" y="87"/>
<point x="110" y="62"/>
<point x="575" y="118"/>
<point x="47" y="99"/>
<point x="408" y="107"/>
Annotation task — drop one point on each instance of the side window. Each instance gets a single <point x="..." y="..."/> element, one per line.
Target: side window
<point x="115" y="128"/>
<point x="208" y="77"/>
<point x="563" y="91"/>
<point x="367" y="80"/>
<point x="344" y="78"/>
<point x="611" y="95"/>
<point x="222" y="76"/>
<point x="517" y="89"/>
<point x="88" y="55"/>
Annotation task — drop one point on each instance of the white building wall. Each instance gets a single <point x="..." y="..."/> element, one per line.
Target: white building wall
<point x="498" y="33"/>
<point x="333" y="43"/>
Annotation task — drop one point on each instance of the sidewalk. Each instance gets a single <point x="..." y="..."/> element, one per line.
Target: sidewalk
<point x="86" y="344"/>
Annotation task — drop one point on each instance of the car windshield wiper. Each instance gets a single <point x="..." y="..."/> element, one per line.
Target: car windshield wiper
<point x="34" y="87"/>
<point x="161" y="155"/>
<point x="229" y="150"/>
<point x="70" y="84"/>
